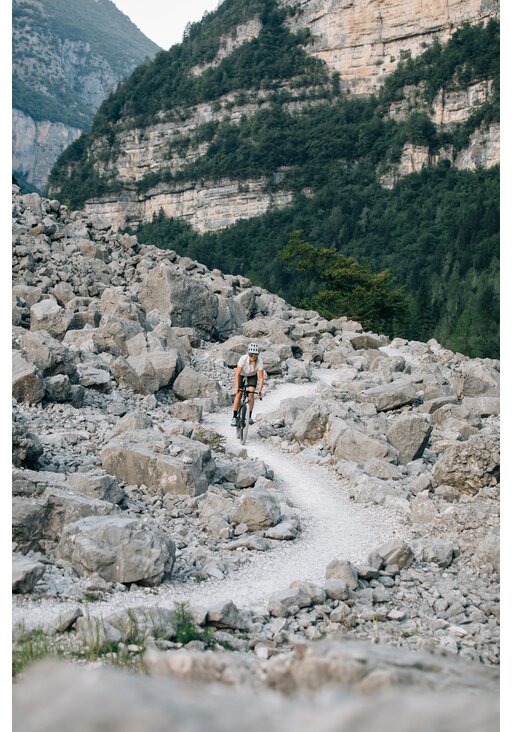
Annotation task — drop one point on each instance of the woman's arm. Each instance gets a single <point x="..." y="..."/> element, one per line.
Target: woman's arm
<point x="237" y="374"/>
<point x="261" y="375"/>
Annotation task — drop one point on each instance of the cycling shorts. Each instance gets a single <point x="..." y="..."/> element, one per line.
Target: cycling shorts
<point x="249" y="380"/>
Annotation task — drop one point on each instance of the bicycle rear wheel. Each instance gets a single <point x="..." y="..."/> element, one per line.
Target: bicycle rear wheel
<point x="244" y="424"/>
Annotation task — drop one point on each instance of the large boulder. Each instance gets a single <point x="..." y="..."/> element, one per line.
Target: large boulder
<point x="156" y="370"/>
<point x="118" y="548"/>
<point x="64" y="507"/>
<point x="470" y="465"/>
<point x="258" y="509"/>
<point x="184" y="300"/>
<point x="49" y="355"/>
<point x="26" y="573"/>
<point x="29" y="516"/>
<point x="27" y="381"/>
<point x="474" y="379"/>
<point x="138" y="459"/>
<point x="351" y="444"/>
<point x="409" y="434"/>
<point x="26" y="447"/>
<point x="191" y="384"/>
<point x="389" y="396"/>
<point x="310" y="426"/>
<point x="50" y="316"/>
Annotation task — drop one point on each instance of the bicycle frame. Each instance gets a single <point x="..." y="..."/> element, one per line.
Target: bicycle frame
<point x="242" y="417"/>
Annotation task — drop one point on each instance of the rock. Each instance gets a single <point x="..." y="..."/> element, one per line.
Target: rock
<point x="101" y="486"/>
<point x="188" y="303"/>
<point x="258" y="509"/>
<point x="134" y="458"/>
<point x="226" y="615"/>
<point x="133" y="624"/>
<point x="482" y="406"/>
<point x="94" y="377"/>
<point x="191" y="384"/>
<point x="65" y="508"/>
<point x="49" y="355"/>
<point x="243" y="473"/>
<point x="409" y="434"/>
<point x="395" y="552"/>
<point x="131" y="422"/>
<point x="475" y="380"/>
<point x="311" y="424"/>
<point x="288" y="602"/>
<point x="26" y="448"/>
<point x="337" y="589"/>
<point x="297" y="371"/>
<point x="469" y="466"/>
<point x="57" y="388"/>
<point x="340" y="569"/>
<point x="26" y="573"/>
<point x="119" y="549"/>
<point x="48" y="315"/>
<point x="29" y="517"/>
<point x="488" y="550"/>
<point x="389" y="396"/>
<point x="232" y="668"/>
<point x="27" y="381"/>
<point x="283" y="531"/>
<point x="436" y="551"/>
<point x="187" y="410"/>
<point x="156" y="369"/>
<point x="354" y="445"/>
<point x="365" y="340"/>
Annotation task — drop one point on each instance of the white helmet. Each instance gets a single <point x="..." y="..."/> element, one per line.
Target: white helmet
<point x="253" y="348"/>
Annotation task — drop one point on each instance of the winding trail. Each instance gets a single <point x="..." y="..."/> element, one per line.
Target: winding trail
<point x="332" y="526"/>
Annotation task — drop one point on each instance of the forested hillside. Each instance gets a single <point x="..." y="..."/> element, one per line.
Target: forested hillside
<point x="436" y="230"/>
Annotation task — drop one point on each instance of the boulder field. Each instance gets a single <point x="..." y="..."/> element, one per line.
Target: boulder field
<point x="125" y="485"/>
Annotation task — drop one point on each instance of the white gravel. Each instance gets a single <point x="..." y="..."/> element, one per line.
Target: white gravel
<point x="332" y="527"/>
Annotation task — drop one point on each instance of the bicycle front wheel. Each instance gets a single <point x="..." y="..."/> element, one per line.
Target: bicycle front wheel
<point x="244" y="424"/>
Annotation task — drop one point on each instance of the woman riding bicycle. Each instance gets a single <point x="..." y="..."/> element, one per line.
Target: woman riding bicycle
<point x="249" y="371"/>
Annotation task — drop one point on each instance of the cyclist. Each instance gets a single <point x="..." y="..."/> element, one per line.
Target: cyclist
<point x="249" y="371"/>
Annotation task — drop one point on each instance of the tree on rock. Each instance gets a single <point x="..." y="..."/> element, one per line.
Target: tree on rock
<point x="336" y="285"/>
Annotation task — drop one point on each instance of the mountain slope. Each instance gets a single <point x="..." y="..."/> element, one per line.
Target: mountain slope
<point x="67" y="55"/>
<point x="243" y="132"/>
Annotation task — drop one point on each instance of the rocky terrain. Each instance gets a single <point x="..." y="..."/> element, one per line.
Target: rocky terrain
<point x="351" y="548"/>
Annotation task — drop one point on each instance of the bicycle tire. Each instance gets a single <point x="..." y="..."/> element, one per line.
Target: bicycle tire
<point x="244" y="425"/>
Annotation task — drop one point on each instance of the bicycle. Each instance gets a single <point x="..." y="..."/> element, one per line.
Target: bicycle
<point x="242" y="417"/>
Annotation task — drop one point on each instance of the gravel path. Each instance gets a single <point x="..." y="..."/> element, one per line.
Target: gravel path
<point x="332" y="526"/>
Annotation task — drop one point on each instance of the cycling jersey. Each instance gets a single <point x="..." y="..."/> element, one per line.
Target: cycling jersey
<point x="249" y="369"/>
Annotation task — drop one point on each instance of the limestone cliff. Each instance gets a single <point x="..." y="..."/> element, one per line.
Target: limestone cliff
<point x="363" y="40"/>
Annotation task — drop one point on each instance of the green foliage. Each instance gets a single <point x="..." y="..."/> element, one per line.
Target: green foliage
<point x="344" y="286"/>
<point x="436" y="232"/>
<point x="186" y="628"/>
<point x="472" y="53"/>
<point x="28" y="648"/>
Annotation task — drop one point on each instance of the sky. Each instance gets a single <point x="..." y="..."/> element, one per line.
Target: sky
<point x="163" y="21"/>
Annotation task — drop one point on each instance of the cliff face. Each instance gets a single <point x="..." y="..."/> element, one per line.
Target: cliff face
<point x="64" y="65"/>
<point x="359" y="44"/>
<point x="36" y="145"/>
<point x="363" y="40"/>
